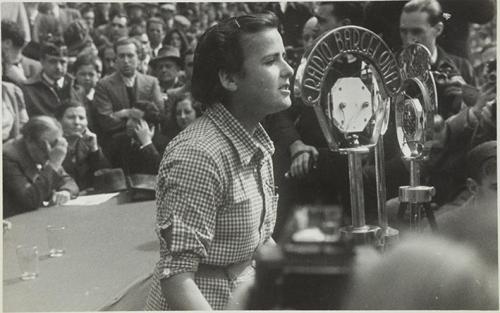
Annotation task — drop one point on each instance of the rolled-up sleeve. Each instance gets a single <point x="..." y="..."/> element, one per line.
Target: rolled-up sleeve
<point x="188" y="194"/>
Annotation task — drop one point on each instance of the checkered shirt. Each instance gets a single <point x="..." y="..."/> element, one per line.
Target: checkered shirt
<point x="216" y="203"/>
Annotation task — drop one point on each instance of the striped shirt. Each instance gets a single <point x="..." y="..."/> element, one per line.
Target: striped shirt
<point x="216" y="203"/>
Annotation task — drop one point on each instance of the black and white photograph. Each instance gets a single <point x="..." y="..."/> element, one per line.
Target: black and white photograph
<point x="211" y="155"/>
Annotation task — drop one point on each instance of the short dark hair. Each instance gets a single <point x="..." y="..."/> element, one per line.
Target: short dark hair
<point x="351" y="10"/>
<point x="155" y="20"/>
<point x="86" y="59"/>
<point x="10" y="30"/>
<point x="219" y="48"/>
<point x="127" y="41"/>
<point x="118" y="13"/>
<point x="70" y="103"/>
<point x="482" y="160"/>
<point x="431" y="7"/>
<point x="37" y="126"/>
<point x="87" y="8"/>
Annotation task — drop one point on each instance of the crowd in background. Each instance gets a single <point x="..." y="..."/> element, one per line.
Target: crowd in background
<point x="89" y="88"/>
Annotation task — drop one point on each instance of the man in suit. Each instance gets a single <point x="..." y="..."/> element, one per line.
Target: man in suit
<point x="17" y="68"/>
<point x="32" y="168"/>
<point x="48" y="90"/>
<point x="116" y="94"/>
<point x="421" y="22"/>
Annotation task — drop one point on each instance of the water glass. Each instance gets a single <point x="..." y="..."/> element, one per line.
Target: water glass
<point x="27" y="257"/>
<point x="55" y="238"/>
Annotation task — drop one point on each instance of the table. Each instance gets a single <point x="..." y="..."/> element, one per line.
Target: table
<point x="109" y="248"/>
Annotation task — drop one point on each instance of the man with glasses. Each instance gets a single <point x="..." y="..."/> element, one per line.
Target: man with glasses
<point x="32" y="168"/>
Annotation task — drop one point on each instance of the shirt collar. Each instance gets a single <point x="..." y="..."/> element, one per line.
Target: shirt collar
<point x="50" y="81"/>
<point x="129" y="81"/>
<point x="259" y="145"/>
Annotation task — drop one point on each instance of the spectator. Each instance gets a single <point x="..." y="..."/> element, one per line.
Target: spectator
<point x="167" y="13"/>
<point x="14" y="114"/>
<point x="87" y="71"/>
<point x="144" y="54"/>
<point x="32" y="166"/>
<point x="84" y="156"/>
<point x="422" y="21"/>
<point x="108" y="56"/>
<point x="182" y="23"/>
<point x="166" y="67"/>
<point x="117" y="93"/>
<point x="177" y="39"/>
<point x="78" y="40"/>
<point x="88" y="15"/>
<point x="115" y="29"/>
<point x="135" y="12"/>
<point x="16" y="67"/>
<point x="64" y="16"/>
<point x="139" y="149"/>
<point x="45" y="92"/>
<point x="293" y="16"/>
<point x="156" y="31"/>
<point x="186" y="111"/>
<point x="185" y="77"/>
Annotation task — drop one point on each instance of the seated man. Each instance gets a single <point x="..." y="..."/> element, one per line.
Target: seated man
<point x="32" y="168"/>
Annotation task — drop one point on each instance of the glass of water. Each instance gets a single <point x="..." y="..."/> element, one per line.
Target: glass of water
<point x="55" y="238"/>
<point x="27" y="257"/>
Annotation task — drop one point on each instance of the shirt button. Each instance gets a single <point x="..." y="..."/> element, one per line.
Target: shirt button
<point x="166" y="272"/>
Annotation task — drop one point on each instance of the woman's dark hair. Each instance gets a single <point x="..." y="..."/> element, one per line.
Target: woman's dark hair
<point x="219" y="48"/>
<point x="167" y="40"/>
<point x="86" y="59"/>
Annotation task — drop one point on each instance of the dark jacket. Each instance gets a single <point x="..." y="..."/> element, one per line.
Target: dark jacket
<point x="27" y="184"/>
<point x="42" y="99"/>
<point x="132" y="159"/>
<point x="80" y="163"/>
<point x="111" y="96"/>
<point x="449" y="105"/>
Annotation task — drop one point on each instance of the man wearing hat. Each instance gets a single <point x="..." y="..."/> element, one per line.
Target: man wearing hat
<point x="166" y="67"/>
<point x="135" y="12"/>
<point x="116" y="94"/>
<point x="78" y="40"/>
<point x="45" y="92"/>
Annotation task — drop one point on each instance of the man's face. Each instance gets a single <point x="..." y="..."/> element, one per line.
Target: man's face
<point x="39" y="150"/>
<point x="326" y="19"/>
<point x="155" y="34"/>
<point x="119" y="27"/>
<point x="89" y="18"/>
<point x="265" y="77"/>
<point x="54" y="67"/>
<point x="414" y="27"/>
<point x="108" y="62"/>
<point x="167" y="70"/>
<point x="126" y="59"/>
<point x="87" y="76"/>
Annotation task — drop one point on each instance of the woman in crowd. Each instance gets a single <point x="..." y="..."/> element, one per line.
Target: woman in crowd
<point x="176" y="38"/>
<point x="84" y="156"/>
<point x="185" y="111"/>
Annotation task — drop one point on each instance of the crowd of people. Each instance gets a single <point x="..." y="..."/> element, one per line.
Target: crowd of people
<point x="180" y="93"/>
